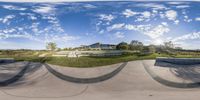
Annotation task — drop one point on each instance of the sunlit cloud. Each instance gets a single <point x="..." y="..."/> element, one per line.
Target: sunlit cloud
<point x="152" y="6"/>
<point x="190" y="36"/>
<point x="106" y="17"/>
<point x="197" y="19"/>
<point x="44" y="9"/>
<point x="119" y="35"/>
<point x="11" y="7"/>
<point x="129" y="13"/>
<point x="171" y="14"/>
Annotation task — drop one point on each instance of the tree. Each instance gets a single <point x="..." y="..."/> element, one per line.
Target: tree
<point x="51" y="46"/>
<point x="122" y="46"/>
<point x="136" y="45"/>
<point x="169" y="45"/>
<point x="149" y="49"/>
<point x="152" y="49"/>
<point x="178" y="48"/>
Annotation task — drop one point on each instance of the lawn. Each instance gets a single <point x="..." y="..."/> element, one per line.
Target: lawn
<point x="89" y="61"/>
<point x="84" y="61"/>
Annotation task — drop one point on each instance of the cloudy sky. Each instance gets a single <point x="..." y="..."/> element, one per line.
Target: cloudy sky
<point x="32" y="25"/>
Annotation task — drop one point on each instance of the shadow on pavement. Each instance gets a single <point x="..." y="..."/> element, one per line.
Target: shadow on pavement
<point x="186" y="73"/>
<point x="85" y="80"/>
<point x="19" y="78"/>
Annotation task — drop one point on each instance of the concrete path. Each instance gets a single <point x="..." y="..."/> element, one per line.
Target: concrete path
<point x="133" y="82"/>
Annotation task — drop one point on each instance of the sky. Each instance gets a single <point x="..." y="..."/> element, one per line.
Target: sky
<point x="83" y="0"/>
<point x="71" y="24"/>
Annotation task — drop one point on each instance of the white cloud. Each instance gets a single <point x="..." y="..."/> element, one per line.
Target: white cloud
<point x="171" y="14"/>
<point x="115" y="27"/>
<point x="152" y="32"/>
<point x="129" y="13"/>
<point x="89" y="6"/>
<point x="11" y="33"/>
<point x="106" y="17"/>
<point x="50" y="32"/>
<point x="25" y="35"/>
<point x="45" y="9"/>
<point x="140" y="28"/>
<point x="6" y="19"/>
<point x="186" y="19"/>
<point x="146" y="14"/>
<point x="190" y="36"/>
<point x="164" y="23"/>
<point x="101" y="31"/>
<point x="157" y="41"/>
<point x="60" y="38"/>
<point x="182" y="6"/>
<point x="141" y="16"/>
<point x="197" y="19"/>
<point x="33" y="17"/>
<point x="119" y="35"/>
<point x="177" y="3"/>
<point x="149" y="30"/>
<point x="7" y="31"/>
<point x="152" y="5"/>
<point x="176" y="22"/>
<point x="157" y="31"/>
<point x="11" y="7"/>
<point x="30" y="15"/>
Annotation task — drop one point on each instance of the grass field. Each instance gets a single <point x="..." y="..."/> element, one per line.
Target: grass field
<point x="89" y="61"/>
<point x="85" y="61"/>
<point x="96" y="61"/>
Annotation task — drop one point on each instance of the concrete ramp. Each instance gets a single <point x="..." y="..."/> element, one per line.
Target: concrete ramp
<point x="37" y="82"/>
<point x="12" y="72"/>
<point x="139" y="80"/>
<point x="6" y="60"/>
<point x="178" y="61"/>
<point x="179" y="73"/>
<point x="92" y="75"/>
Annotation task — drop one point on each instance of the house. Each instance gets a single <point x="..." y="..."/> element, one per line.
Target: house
<point x="136" y="43"/>
<point x="99" y="46"/>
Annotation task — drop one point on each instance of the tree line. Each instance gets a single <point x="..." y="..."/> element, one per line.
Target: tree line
<point x="134" y="45"/>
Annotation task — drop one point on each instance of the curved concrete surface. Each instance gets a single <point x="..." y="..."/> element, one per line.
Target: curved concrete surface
<point x="35" y="73"/>
<point x="170" y="83"/>
<point x="38" y="83"/>
<point x="6" y="60"/>
<point x="85" y="80"/>
<point x="133" y="82"/>
<point x="85" y="72"/>
<point x="15" y="77"/>
<point x="10" y="70"/>
<point x="170" y="76"/>
<point x="179" y="61"/>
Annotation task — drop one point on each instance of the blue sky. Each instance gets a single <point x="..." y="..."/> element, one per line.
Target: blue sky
<point x="32" y="25"/>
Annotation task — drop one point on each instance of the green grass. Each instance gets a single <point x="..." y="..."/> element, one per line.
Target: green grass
<point x="86" y="61"/>
<point x="99" y="61"/>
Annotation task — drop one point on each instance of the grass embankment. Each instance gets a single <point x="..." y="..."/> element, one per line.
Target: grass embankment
<point x="89" y="61"/>
<point x="86" y="61"/>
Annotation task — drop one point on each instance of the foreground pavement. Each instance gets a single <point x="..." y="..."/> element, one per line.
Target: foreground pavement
<point x="133" y="81"/>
